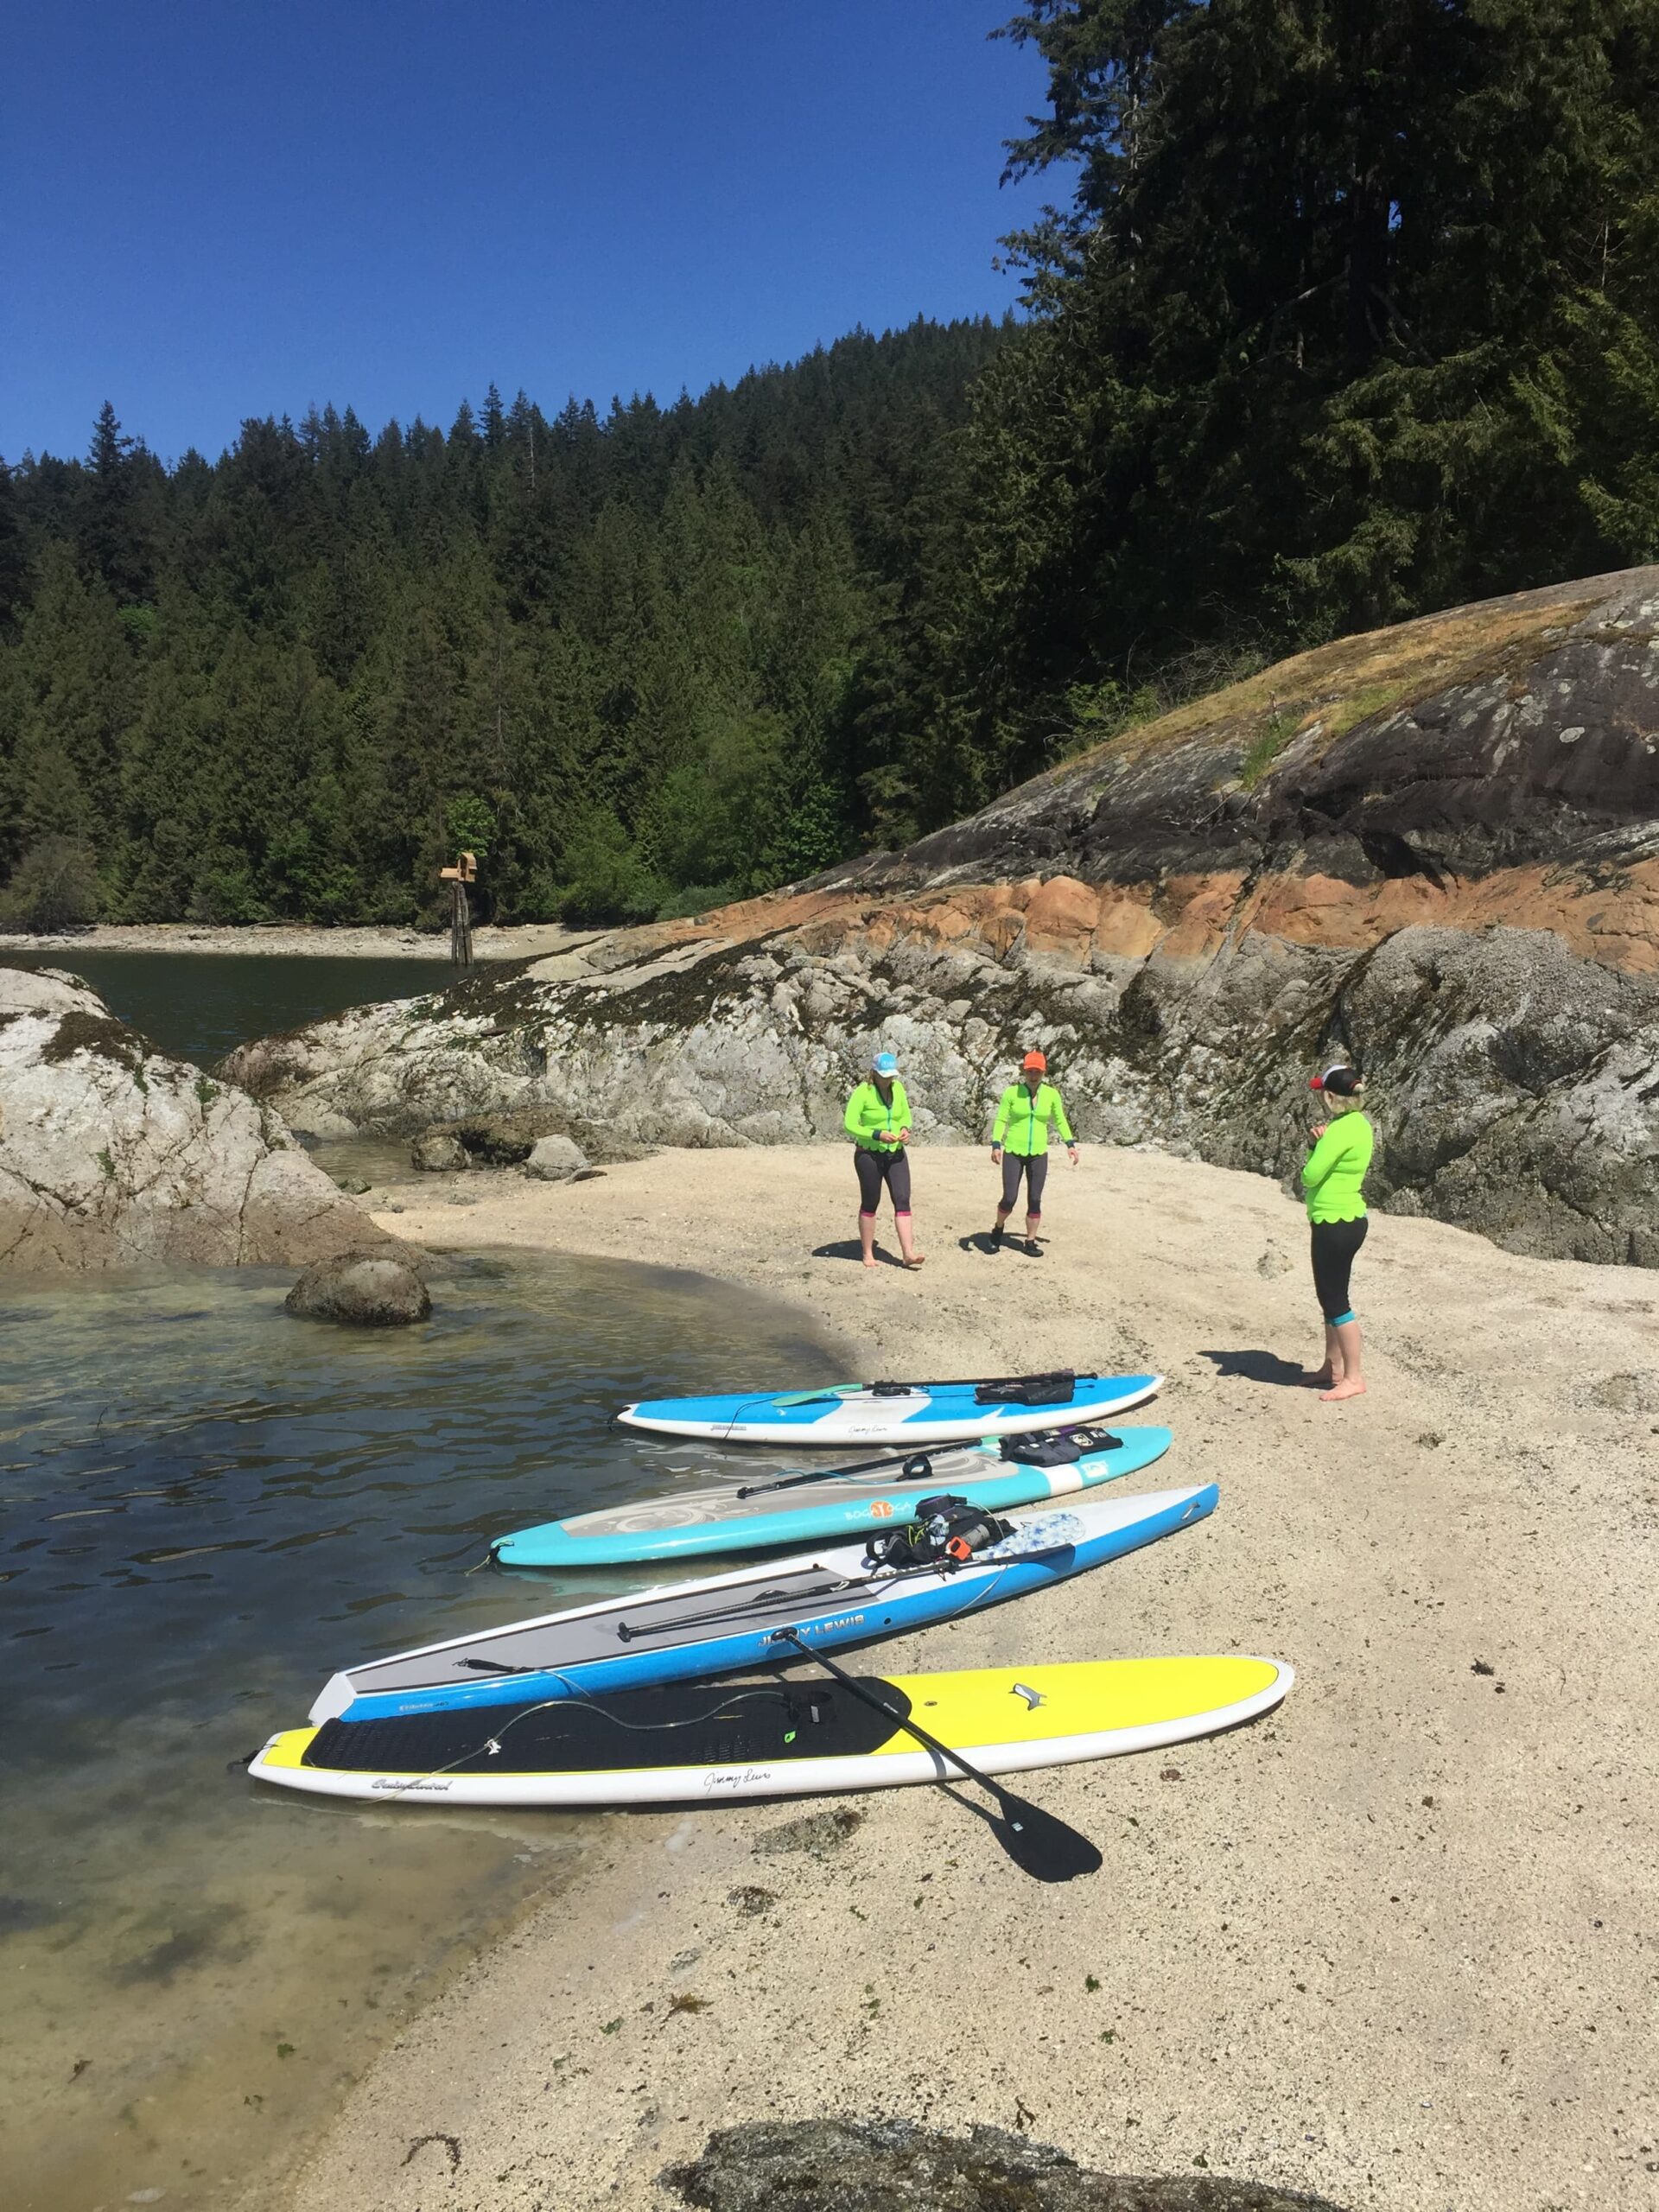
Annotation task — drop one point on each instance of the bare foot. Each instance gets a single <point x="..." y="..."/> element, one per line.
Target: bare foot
<point x="869" y="1263"/>
<point x="1349" y="1387"/>
<point x="1321" y="1379"/>
<point x="915" y="1261"/>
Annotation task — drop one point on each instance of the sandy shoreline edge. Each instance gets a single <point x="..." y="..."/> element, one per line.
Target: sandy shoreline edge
<point x="287" y="940"/>
<point x="1385" y="1947"/>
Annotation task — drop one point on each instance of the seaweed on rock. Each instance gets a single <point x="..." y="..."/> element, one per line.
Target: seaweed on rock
<point x="892" y="2166"/>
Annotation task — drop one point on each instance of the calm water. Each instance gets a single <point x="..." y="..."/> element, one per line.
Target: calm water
<point x="205" y="1506"/>
<point x="199" y="1004"/>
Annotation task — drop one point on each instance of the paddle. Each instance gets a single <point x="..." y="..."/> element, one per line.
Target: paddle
<point x="917" y="1466"/>
<point x="852" y="1389"/>
<point x="1040" y="1843"/>
<point x="745" y="1605"/>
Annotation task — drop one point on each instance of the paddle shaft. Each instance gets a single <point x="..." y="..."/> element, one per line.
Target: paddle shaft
<point x="1006" y="1802"/>
<point x="903" y="1459"/>
<point x="829" y="1474"/>
<point x="966" y="1381"/>
<point x="850" y="1389"/>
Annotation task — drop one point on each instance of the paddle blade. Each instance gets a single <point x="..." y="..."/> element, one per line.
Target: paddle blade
<point x="813" y="1397"/>
<point x="1043" y="1846"/>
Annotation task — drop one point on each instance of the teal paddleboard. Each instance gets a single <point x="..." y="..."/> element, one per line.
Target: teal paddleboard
<point x="840" y="1504"/>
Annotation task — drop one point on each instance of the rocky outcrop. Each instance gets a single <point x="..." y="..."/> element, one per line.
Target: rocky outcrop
<point x="438" y="1151"/>
<point x="1434" y="850"/>
<point x="504" y="1138"/>
<point x="892" y="2165"/>
<point x="366" y="1290"/>
<point x="557" y="1160"/>
<point x="112" y="1155"/>
<point x="1496" y="763"/>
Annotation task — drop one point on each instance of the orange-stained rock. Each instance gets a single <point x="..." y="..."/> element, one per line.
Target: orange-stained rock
<point x="1061" y="917"/>
<point x="1128" y="928"/>
<point x="1191" y="917"/>
<point x="1205" y="910"/>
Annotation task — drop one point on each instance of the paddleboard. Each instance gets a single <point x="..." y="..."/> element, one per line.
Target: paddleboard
<point x="926" y="1413"/>
<point x="697" y="1743"/>
<point x="683" y="1630"/>
<point x="755" y="1517"/>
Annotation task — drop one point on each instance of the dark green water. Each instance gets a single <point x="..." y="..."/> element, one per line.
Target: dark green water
<point x="205" y="1508"/>
<point x="199" y="1004"/>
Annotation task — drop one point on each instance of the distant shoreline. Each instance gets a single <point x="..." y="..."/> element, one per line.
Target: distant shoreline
<point x="294" y="940"/>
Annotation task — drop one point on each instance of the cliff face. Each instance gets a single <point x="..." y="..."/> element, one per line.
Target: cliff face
<point x="114" y="1155"/>
<point x="1435" y="849"/>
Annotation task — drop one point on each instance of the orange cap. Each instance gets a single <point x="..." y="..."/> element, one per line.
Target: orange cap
<point x="1036" y="1060"/>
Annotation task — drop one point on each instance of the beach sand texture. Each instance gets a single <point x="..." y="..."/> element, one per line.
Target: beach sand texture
<point x="1397" y="1945"/>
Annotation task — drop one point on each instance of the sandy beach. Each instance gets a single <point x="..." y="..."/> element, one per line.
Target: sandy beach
<point x="291" y="940"/>
<point x="1395" y="1945"/>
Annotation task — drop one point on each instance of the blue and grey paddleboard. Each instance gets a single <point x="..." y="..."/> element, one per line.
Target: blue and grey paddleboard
<point x="681" y="1631"/>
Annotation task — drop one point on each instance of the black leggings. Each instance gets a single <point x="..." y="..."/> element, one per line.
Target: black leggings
<point x="875" y="1169"/>
<point x="1036" y="1171"/>
<point x="1334" y="1245"/>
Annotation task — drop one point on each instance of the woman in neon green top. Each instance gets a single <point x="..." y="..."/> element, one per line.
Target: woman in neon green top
<point x="1020" y="1146"/>
<point x="878" y="1121"/>
<point x="1334" y="1181"/>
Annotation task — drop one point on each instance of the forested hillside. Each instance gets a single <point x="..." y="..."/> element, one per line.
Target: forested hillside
<point x="625" y="658"/>
<point x="1351" y="311"/>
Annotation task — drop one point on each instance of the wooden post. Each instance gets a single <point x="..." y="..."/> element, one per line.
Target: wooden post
<point x="460" y="912"/>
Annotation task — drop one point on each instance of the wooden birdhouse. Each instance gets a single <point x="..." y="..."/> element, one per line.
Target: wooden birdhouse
<point x="464" y="872"/>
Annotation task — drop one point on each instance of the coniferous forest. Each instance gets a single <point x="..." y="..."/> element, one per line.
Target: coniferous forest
<point x="1345" y="310"/>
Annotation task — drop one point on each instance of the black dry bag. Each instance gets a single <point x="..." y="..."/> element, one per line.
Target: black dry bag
<point x="1056" y="1447"/>
<point x="946" y="1532"/>
<point x="1057" y="1389"/>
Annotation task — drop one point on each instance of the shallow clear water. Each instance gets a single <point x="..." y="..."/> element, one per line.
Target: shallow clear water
<point x="205" y="1507"/>
<point x="200" y="1005"/>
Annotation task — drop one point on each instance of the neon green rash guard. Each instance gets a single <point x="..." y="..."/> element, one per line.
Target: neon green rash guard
<point x="1334" y="1177"/>
<point x="1022" y="1120"/>
<point x="873" y="1122"/>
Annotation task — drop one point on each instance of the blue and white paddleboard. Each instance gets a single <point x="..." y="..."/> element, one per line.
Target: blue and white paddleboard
<point x="882" y="1413"/>
<point x="839" y="1504"/>
<point x="680" y="1631"/>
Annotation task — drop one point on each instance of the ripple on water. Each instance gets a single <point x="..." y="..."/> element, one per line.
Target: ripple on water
<point x="205" y="1507"/>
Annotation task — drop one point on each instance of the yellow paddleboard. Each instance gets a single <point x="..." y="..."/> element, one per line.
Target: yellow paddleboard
<point x="775" y="1738"/>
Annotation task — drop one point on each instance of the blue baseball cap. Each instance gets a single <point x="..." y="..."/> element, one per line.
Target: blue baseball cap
<point x="884" y="1064"/>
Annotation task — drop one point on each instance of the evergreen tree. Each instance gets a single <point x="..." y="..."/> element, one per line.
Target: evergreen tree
<point x="1353" y="313"/>
<point x="271" y="685"/>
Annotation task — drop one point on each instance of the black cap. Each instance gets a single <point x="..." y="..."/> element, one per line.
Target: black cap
<point x="1341" y="1081"/>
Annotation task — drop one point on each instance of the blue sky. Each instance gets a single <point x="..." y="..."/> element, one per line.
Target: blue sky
<point x="221" y="210"/>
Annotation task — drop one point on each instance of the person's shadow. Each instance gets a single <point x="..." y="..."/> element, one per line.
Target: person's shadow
<point x="850" y="1249"/>
<point x="1258" y="1367"/>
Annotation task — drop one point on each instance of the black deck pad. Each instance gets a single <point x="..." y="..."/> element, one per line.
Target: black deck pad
<point x="682" y="1724"/>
